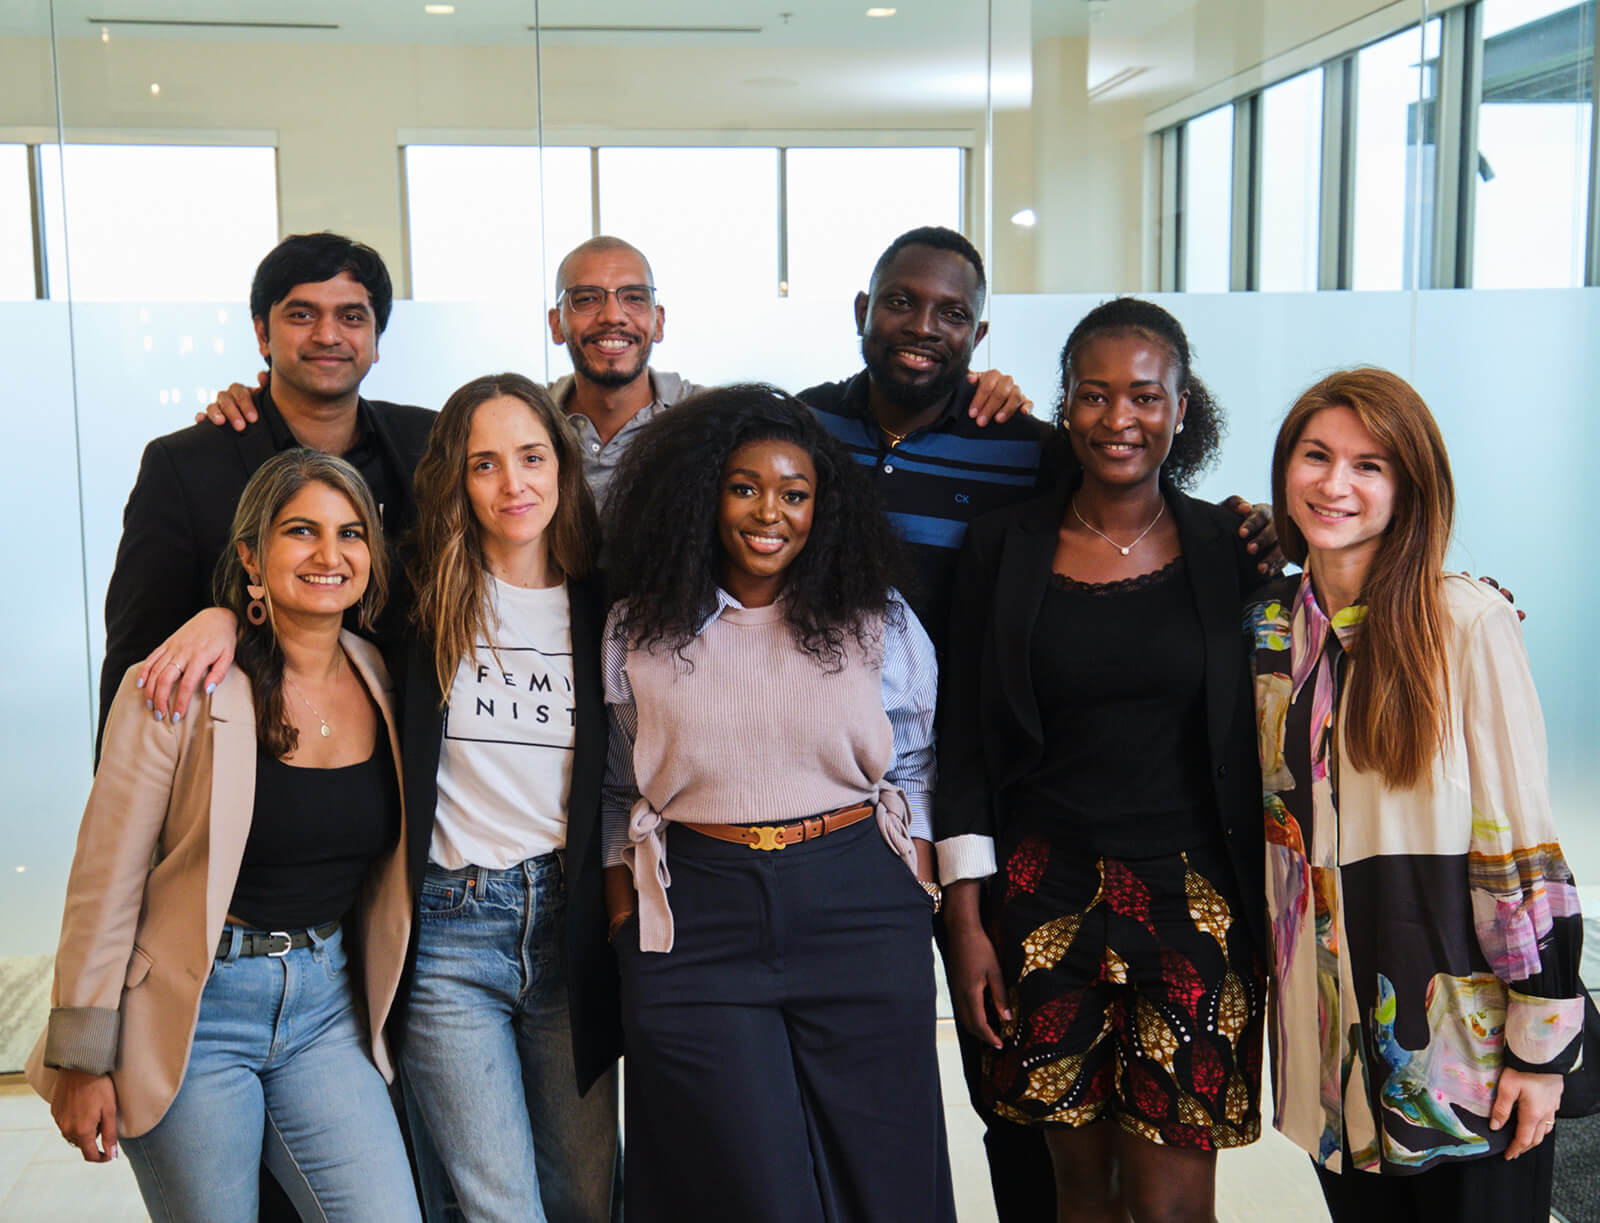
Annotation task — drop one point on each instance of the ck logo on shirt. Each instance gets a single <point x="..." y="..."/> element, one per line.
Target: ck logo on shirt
<point x="527" y="699"/>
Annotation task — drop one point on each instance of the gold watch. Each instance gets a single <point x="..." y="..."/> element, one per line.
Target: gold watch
<point x="934" y="891"/>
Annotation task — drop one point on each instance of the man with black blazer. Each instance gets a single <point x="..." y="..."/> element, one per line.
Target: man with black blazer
<point x="319" y="302"/>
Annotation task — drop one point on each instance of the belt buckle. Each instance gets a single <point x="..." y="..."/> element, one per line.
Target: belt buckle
<point x="288" y="943"/>
<point x="766" y="837"/>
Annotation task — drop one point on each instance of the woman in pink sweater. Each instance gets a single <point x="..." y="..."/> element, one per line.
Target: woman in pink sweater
<point x="766" y="827"/>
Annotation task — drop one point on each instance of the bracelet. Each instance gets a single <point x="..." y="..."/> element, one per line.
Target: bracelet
<point x="616" y="924"/>
<point x="934" y="891"/>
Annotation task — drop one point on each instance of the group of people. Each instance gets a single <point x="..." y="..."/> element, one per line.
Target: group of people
<point x="626" y="718"/>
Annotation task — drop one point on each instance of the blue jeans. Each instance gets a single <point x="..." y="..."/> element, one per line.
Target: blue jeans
<point x="279" y="1071"/>
<point x="488" y="1052"/>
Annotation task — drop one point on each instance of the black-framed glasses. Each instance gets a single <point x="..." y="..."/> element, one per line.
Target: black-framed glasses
<point x="591" y="299"/>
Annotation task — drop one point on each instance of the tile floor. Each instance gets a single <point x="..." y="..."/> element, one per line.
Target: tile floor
<point x="42" y="1180"/>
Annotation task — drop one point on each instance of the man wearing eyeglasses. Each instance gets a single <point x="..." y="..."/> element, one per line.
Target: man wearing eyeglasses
<point x="607" y="315"/>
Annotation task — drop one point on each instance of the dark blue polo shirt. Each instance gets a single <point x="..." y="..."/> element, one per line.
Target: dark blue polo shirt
<point x="938" y="479"/>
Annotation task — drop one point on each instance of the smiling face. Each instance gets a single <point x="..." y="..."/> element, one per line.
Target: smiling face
<point x="1340" y="485"/>
<point x="321" y="339"/>
<point x="1122" y="407"/>
<point x="610" y="347"/>
<point x="513" y="484"/>
<point x="764" y="517"/>
<point x="919" y="325"/>
<point x="316" y="561"/>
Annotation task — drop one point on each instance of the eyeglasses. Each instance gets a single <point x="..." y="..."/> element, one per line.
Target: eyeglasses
<point x="591" y="299"/>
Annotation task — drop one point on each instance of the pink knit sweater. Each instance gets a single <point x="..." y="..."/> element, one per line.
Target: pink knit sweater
<point x="747" y="728"/>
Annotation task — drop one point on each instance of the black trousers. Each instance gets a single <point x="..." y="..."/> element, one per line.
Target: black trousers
<point x="1492" y="1189"/>
<point x="781" y="1058"/>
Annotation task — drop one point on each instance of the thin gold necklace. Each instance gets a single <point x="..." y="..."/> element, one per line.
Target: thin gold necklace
<point x="894" y="438"/>
<point x="1108" y="539"/>
<point x="326" y="729"/>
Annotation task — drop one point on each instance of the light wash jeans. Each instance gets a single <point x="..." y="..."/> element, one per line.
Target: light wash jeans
<point x="279" y="1071"/>
<point x="488" y="1050"/>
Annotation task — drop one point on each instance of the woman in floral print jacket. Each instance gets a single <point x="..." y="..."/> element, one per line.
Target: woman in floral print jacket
<point x="1425" y="926"/>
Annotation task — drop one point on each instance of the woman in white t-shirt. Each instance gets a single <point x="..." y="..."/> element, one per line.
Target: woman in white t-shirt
<point x="509" y="1038"/>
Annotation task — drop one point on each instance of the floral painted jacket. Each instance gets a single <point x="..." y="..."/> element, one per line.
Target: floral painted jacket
<point x="1421" y="938"/>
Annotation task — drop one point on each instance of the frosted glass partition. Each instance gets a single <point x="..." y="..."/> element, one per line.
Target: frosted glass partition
<point x="44" y="692"/>
<point x="1521" y="491"/>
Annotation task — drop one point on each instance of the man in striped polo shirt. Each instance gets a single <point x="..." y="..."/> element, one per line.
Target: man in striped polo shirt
<point x="908" y="416"/>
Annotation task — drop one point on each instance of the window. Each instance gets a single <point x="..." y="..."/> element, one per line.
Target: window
<point x="1291" y="183"/>
<point x="846" y="205"/>
<point x="1395" y="168"/>
<point x="473" y="215"/>
<point x="16" y="225"/>
<point x="1532" y="179"/>
<point x="147" y="222"/>
<point x="706" y="217"/>
<point x="1207" y="177"/>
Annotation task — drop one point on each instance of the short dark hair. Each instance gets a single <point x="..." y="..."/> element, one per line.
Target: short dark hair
<point x="312" y="258"/>
<point x="940" y="239"/>
<point x="1195" y="448"/>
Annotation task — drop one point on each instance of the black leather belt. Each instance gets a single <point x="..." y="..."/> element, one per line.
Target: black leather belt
<point x="276" y="943"/>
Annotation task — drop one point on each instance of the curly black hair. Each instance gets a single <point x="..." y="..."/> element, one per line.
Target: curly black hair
<point x="1204" y="424"/>
<point x="665" y="558"/>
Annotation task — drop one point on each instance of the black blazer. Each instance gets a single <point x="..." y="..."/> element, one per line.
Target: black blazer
<point x="593" y="990"/>
<point x="179" y="513"/>
<point x="990" y="733"/>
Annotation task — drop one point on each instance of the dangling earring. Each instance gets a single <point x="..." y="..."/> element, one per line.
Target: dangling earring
<point x="1179" y="429"/>
<point x="256" y="610"/>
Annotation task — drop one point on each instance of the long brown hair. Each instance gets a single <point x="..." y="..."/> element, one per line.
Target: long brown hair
<point x="1399" y="692"/>
<point x="258" y="653"/>
<point x="448" y="568"/>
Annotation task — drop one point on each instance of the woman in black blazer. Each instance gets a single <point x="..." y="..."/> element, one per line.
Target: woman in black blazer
<point x="1098" y="810"/>
<point x="509" y="1029"/>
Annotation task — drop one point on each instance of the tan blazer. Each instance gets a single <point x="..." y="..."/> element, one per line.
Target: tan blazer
<point x="157" y="859"/>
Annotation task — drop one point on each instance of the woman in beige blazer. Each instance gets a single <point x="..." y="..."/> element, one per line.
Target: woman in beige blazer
<point x="202" y="1010"/>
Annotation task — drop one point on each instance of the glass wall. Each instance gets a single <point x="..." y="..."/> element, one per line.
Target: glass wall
<point x="148" y="161"/>
<point x="1407" y="184"/>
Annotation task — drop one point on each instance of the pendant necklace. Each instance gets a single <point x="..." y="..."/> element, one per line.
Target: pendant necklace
<point x="326" y="729"/>
<point x="1108" y="539"/>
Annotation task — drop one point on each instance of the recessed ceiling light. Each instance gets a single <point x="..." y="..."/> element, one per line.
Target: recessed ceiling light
<point x="105" y="33"/>
<point x="439" y="10"/>
<point x="880" y="12"/>
<point x="155" y="89"/>
<point x="1025" y="217"/>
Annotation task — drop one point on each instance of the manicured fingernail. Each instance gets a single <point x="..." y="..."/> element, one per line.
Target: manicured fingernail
<point x="149" y="704"/>
<point x="158" y="715"/>
<point x="115" y="1151"/>
<point x="210" y="688"/>
<point x="140" y="683"/>
<point x="177" y="717"/>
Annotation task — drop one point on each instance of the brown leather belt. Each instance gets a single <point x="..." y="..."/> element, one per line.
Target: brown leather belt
<point x="779" y="836"/>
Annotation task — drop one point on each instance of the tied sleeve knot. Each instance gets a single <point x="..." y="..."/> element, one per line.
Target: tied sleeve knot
<point x="893" y="813"/>
<point x="645" y="856"/>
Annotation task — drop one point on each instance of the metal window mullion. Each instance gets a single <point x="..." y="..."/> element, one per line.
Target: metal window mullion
<point x="1244" y="208"/>
<point x="1336" y="205"/>
<point x="1172" y="210"/>
<point x="1592" y="253"/>
<point x="41" y="273"/>
<point x="1449" y="103"/>
<point x="783" y="222"/>
<point x="1467" y="178"/>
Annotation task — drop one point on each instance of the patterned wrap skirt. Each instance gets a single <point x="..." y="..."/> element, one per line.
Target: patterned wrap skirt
<point x="1135" y="992"/>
